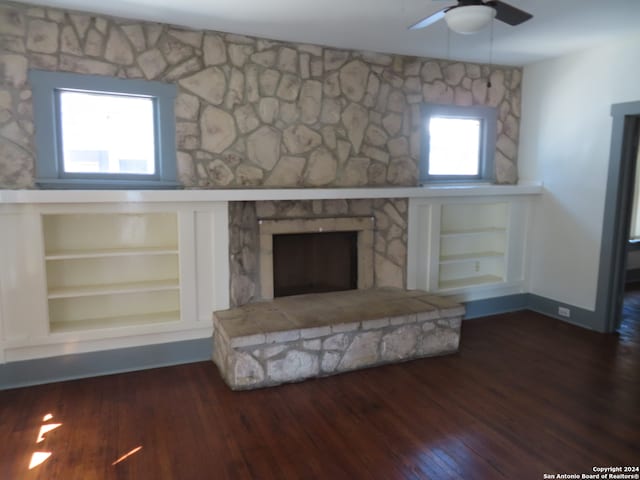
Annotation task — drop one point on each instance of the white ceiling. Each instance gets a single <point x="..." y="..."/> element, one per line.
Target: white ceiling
<point x="558" y="26"/>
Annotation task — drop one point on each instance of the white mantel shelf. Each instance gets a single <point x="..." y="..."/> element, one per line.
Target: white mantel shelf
<point x="258" y="194"/>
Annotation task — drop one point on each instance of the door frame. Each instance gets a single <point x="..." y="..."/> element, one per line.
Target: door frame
<point x="617" y="214"/>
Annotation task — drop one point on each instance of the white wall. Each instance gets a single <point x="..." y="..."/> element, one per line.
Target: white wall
<point x="564" y="142"/>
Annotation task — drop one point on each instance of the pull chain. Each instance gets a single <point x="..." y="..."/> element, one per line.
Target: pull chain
<point x="490" y="55"/>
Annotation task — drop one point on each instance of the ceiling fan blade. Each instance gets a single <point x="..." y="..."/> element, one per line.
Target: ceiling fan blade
<point x="425" y="22"/>
<point x="509" y="14"/>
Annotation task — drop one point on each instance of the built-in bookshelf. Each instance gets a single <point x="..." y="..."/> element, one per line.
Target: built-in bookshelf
<point x="110" y="270"/>
<point x="473" y="245"/>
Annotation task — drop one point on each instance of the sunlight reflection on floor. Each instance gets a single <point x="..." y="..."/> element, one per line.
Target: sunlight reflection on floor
<point x="44" y="429"/>
<point x="127" y="455"/>
<point x="38" y="458"/>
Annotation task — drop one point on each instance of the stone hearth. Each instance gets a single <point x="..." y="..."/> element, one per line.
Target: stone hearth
<point x="293" y="338"/>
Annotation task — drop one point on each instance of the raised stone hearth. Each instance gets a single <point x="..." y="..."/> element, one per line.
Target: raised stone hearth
<point x="293" y="338"/>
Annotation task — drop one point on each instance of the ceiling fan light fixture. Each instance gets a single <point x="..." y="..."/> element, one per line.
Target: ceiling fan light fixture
<point x="469" y="19"/>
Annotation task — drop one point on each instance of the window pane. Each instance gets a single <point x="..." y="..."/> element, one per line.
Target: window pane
<point x="454" y="146"/>
<point x="104" y="133"/>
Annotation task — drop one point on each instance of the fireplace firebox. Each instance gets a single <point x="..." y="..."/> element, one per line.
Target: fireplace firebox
<point x="314" y="263"/>
<point x="320" y="255"/>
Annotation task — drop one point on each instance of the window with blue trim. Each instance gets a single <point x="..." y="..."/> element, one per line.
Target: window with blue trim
<point x="103" y="132"/>
<point x="458" y="144"/>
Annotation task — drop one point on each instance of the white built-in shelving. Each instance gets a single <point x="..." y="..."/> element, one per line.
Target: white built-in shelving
<point x="110" y="270"/>
<point x="97" y="270"/>
<point x="473" y="243"/>
<point x="88" y="271"/>
<point x="468" y="247"/>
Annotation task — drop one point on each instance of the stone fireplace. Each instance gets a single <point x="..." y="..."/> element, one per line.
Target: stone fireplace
<point x="298" y="335"/>
<point x="380" y="226"/>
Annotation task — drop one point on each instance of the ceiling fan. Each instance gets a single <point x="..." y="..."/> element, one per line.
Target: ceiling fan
<point x="471" y="16"/>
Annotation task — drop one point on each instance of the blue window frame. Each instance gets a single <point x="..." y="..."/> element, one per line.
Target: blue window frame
<point x="458" y="143"/>
<point x="81" y="120"/>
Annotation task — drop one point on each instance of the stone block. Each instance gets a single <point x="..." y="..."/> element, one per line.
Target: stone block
<point x="336" y="342"/>
<point x="214" y="50"/>
<point x="248" y="340"/>
<point x="315" y="332"/>
<point x="330" y="361"/>
<point x="263" y="147"/>
<point x="312" y="344"/>
<point x="400" y="343"/>
<point x="270" y="352"/>
<point x="402" y="320"/>
<point x="285" y="336"/>
<point x="42" y="36"/>
<point x="353" y="79"/>
<point x="218" y="130"/>
<point x="355" y="119"/>
<point x="376" y="323"/>
<point x="439" y="341"/>
<point x="362" y="352"/>
<point x="295" y="366"/>
<point x="247" y="370"/>
<point x="322" y="168"/>
<point x="209" y="84"/>
<point x="345" y="327"/>
<point x="13" y="70"/>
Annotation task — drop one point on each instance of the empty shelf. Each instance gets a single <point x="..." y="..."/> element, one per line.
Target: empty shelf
<point x="115" y="322"/>
<point x="470" y="281"/>
<point x="110" y="252"/>
<point x="94" y="290"/>
<point x="466" y="257"/>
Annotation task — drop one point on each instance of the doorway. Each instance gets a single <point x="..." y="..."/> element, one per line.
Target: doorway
<point x="625" y="140"/>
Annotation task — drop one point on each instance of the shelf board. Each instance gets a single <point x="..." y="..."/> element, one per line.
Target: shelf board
<point x="472" y="231"/>
<point x="115" y="322"/>
<point x="110" y="252"/>
<point x="470" y="282"/>
<point x="466" y="257"/>
<point x="114" y="289"/>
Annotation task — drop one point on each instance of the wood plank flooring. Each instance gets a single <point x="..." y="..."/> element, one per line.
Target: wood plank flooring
<point x="526" y="395"/>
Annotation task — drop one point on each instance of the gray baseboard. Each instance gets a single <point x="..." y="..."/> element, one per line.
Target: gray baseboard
<point x="528" y="301"/>
<point x="93" y="364"/>
<point x="82" y="365"/>
<point x="497" y="305"/>
<point x="579" y="316"/>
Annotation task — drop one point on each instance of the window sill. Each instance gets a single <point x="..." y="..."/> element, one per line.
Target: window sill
<point x="456" y="183"/>
<point x="101" y="184"/>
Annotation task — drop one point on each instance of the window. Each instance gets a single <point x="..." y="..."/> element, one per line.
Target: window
<point x="458" y="143"/>
<point x="103" y="132"/>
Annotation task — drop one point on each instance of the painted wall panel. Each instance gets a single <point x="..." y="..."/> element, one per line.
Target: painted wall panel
<point x="565" y="142"/>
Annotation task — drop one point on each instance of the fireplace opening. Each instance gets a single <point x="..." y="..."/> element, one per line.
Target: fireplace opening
<point x="314" y="262"/>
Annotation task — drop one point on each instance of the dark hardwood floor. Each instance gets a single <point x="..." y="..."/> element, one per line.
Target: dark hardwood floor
<point x="526" y="395"/>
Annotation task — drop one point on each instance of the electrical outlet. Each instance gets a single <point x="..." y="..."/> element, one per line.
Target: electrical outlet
<point x="564" y="312"/>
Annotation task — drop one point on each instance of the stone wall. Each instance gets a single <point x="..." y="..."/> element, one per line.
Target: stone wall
<point x="252" y="112"/>
<point x="390" y="238"/>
